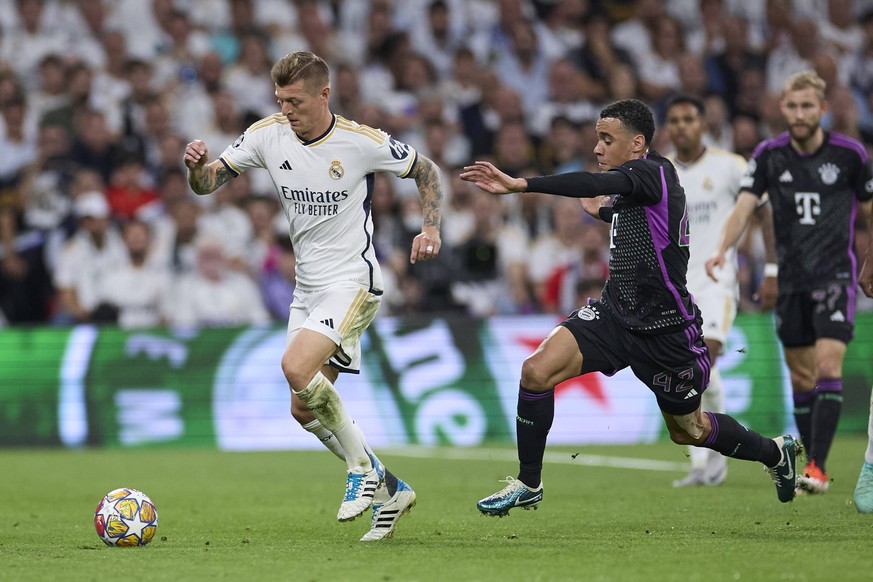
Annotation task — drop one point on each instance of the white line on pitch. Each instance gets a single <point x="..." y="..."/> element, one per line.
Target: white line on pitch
<point x="480" y="454"/>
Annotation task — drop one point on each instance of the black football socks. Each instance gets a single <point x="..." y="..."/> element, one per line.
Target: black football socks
<point x="536" y="411"/>
<point x="732" y="439"/>
<point x="825" y="417"/>
<point x="804" y="402"/>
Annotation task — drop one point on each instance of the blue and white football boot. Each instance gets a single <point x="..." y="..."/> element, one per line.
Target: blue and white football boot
<point x="515" y="494"/>
<point x="394" y="498"/>
<point x="360" y="488"/>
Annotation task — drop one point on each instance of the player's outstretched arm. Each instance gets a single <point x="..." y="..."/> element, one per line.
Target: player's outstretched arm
<point x="426" y="245"/>
<point x="732" y="230"/>
<point x="487" y="177"/>
<point x="866" y="278"/>
<point x="203" y="177"/>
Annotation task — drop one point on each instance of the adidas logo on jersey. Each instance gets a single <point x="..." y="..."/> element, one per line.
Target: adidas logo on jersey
<point x="328" y="322"/>
<point x="838" y="316"/>
<point x="786" y="177"/>
<point x="285" y="166"/>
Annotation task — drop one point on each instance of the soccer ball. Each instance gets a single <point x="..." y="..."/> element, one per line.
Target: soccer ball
<point x="126" y="517"/>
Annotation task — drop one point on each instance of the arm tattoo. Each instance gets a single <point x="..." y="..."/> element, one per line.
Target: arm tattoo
<point x="427" y="178"/>
<point x="208" y="178"/>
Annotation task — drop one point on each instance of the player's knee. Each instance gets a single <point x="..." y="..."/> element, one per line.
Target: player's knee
<point x="535" y="374"/>
<point x="300" y="412"/>
<point x="802" y="380"/>
<point x="287" y="368"/>
<point x="296" y="379"/>
<point x="829" y="369"/>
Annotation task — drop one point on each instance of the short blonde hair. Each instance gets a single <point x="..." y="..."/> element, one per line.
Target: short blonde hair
<point x="804" y="80"/>
<point x="301" y="66"/>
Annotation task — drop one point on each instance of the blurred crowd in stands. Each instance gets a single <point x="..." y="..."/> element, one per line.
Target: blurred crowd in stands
<point x="98" y="99"/>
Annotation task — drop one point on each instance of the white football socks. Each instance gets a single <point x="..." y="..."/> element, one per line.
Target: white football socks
<point x="328" y="439"/>
<point x="325" y="403"/>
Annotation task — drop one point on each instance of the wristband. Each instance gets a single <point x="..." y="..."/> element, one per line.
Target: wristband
<point x="771" y="270"/>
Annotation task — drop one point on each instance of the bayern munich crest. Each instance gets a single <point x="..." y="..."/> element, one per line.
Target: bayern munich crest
<point x="588" y="313"/>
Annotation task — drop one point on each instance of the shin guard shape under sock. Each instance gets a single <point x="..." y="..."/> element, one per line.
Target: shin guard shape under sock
<point x="325" y="403"/>
<point x="536" y="411"/>
<point x="326" y="437"/>
<point x="825" y="417"/>
<point x="803" y="405"/>
<point x="732" y="439"/>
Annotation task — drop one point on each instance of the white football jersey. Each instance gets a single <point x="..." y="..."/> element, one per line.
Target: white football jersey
<point x="325" y="186"/>
<point x="711" y="184"/>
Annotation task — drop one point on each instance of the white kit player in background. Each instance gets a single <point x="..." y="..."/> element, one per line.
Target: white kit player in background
<point x="710" y="177"/>
<point x="323" y="166"/>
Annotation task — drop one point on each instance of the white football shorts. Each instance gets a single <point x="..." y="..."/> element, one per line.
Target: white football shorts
<point x="341" y="312"/>
<point x="718" y="306"/>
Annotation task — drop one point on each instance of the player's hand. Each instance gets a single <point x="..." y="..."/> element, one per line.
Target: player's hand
<point x="593" y="205"/>
<point x="714" y="263"/>
<point x="425" y="246"/>
<point x="490" y="179"/>
<point x="767" y="292"/>
<point x="196" y="154"/>
<point x="866" y="278"/>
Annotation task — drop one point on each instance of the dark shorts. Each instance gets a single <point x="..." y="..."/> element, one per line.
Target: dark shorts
<point x="829" y="312"/>
<point x="674" y="365"/>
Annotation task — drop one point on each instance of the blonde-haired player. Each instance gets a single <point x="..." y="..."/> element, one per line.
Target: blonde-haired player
<point x="322" y="165"/>
<point x="817" y="182"/>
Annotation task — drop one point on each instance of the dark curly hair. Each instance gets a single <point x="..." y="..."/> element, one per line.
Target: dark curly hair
<point x="633" y="115"/>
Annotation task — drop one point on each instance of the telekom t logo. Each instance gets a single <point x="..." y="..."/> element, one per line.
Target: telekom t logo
<point x="808" y="206"/>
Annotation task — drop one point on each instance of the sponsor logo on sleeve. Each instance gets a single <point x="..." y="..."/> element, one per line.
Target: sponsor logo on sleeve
<point x="398" y="149"/>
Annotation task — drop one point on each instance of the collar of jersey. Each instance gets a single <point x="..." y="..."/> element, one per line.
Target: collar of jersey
<point x="322" y="137"/>
<point x="682" y="164"/>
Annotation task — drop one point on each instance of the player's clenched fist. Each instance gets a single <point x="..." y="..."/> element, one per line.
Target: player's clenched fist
<point x="196" y="153"/>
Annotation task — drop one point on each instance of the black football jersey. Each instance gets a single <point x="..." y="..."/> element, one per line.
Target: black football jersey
<point x="815" y="201"/>
<point x="648" y="259"/>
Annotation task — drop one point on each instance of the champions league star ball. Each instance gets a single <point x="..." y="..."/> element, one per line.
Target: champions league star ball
<point x="126" y="517"/>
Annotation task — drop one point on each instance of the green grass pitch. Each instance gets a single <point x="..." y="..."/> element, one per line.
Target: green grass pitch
<point x="272" y="516"/>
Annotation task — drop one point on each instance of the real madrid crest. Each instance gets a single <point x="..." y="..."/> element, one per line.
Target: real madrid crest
<point x="829" y="173"/>
<point x="336" y="170"/>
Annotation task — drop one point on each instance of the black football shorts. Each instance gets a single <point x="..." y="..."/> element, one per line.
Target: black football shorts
<point x="674" y="365"/>
<point x="827" y="312"/>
